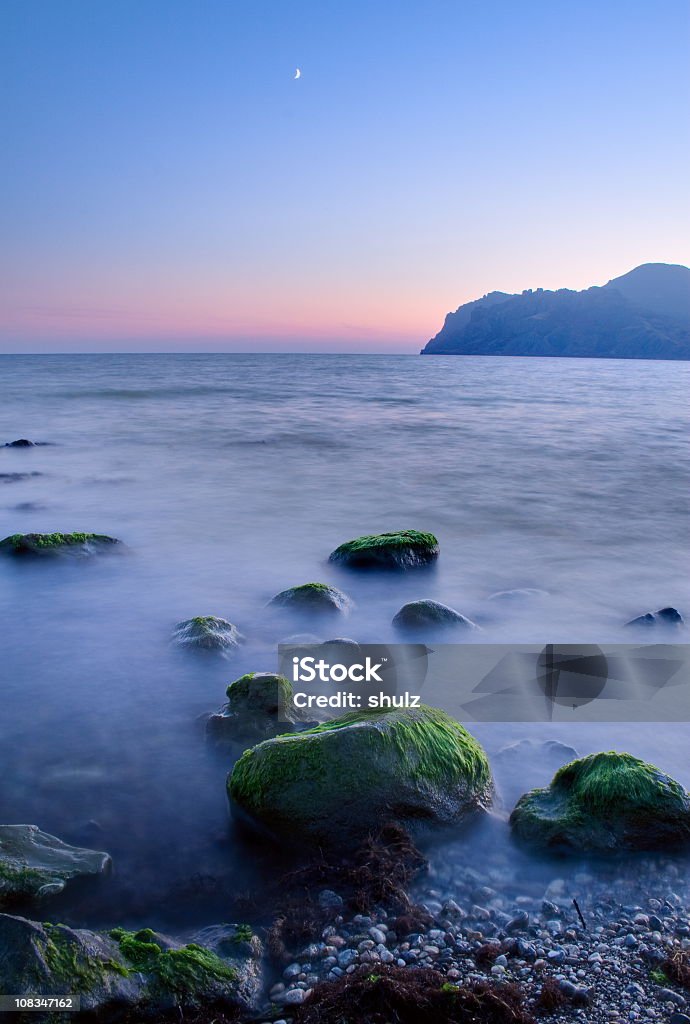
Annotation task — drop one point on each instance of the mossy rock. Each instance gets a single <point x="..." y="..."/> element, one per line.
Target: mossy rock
<point x="604" y="803"/>
<point x="406" y="549"/>
<point x="259" y="706"/>
<point x="423" y="616"/>
<point x="35" y="865"/>
<point x="313" y="599"/>
<point x="209" y="633"/>
<point x="334" y="784"/>
<point x="130" y="975"/>
<point x="56" y="543"/>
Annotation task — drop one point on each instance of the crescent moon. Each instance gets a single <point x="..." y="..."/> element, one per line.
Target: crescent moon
<point x="298" y="73"/>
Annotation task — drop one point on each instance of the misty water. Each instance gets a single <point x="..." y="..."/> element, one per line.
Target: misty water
<point x="232" y="477"/>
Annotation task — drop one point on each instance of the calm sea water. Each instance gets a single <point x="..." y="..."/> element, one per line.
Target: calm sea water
<point x="231" y="477"/>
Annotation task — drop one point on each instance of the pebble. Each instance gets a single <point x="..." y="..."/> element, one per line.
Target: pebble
<point x="635" y="919"/>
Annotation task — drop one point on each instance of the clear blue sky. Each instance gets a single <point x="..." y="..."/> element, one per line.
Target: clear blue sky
<point x="167" y="184"/>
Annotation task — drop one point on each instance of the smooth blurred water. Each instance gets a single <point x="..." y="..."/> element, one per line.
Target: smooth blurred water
<point x="231" y="477"/>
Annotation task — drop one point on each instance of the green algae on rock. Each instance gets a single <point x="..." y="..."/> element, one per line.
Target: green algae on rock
<point x="35" y="865"/>
<point x="404" y="549"/>
<point x="335" y="783"/>
<point x="118" y="973"/>
<point x="419" y="616"/>
<point x="605" y="802"/>
<point x="313" y="599"/>
<point x="259" y="706"/>
<point x="56" y="543"/>
<point x="209" y="633"/>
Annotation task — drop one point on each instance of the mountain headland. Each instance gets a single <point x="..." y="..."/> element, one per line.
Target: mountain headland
<point x="645" y="314"/>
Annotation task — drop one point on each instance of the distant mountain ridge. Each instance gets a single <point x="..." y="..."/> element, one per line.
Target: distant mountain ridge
<point x="644" y="314"/>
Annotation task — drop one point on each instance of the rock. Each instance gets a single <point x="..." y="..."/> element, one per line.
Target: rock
<point x="605" y="802"/>
<point x="313" y="599"/>
<point x="336" y="783"/>
<point x="662" y="617"/>
<point x="119" y="973"/>
<point x="294" y="997"/>
<point x="668" y="995"/>
<point x="407" y="549"/>
<point x="21" y="443"/>
<point x="329" y="900"/>
<point x="527" y="764"/>
<point x="259" y="706"/>
<point x="14" y="478"/>
<point x="34" y="864"/>
<point x="520" y="594"/>
<point x="424" y="615"/>
<point x="56" y="543"/>
<point x="518" y="923"/>
<point x="209" y="633"/>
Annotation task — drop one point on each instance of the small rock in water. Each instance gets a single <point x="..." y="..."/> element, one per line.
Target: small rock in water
<point x="259" y="707"/>
<point x="35" y="865"/>
<point x="44" y="544"/>
<point x="14" y="478"/>
<point x="520" y="594"/>
<point x="313" y="599"/>
<point x="662" y="617"/>
<point x="426" y="615"/>
<point x="209" y="633"/>
<point x="406" y="549"/>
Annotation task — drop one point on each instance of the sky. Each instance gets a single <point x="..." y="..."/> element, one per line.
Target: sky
<point x="167" y="185"/>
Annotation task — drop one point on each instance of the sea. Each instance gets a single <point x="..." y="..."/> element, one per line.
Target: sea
<point x="231" y="477"/>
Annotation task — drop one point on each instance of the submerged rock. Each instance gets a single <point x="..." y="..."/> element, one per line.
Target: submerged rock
<point x="406" y="549"/>
<point x="259" y="706"/>
<point x="34" y="864"/>
<point x="427" y="615"/>
<point x="526" y="764"/>
<point x="520" y="594"/>
<point x="334" y="784"/>
<point x="662" y="617"/>
<point x="605" y="802"/>
<point x="119" y="973"/>
<point x="14" y="478"/>
<point x="56" y="543"/>
<point x="209" y="633"/>
<point x="313" y="599"/>
<point x="22" y="442"/>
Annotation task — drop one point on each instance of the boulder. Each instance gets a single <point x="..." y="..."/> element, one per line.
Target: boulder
<point x="34" y="864"/>
<point x="56" y="543"/>
<point x="334" y="784"/>
<point x="418" y="616"/>
<point x="259" y="706"/>
<point x="662" y="617"/>
<point x="604" y="803"/>
<point x="209" y="633"/>
<point x="22" y="442"/>
<point x="130" y="975"/>
<point x="313" y="599"/>
<point x="406" y="549"/>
